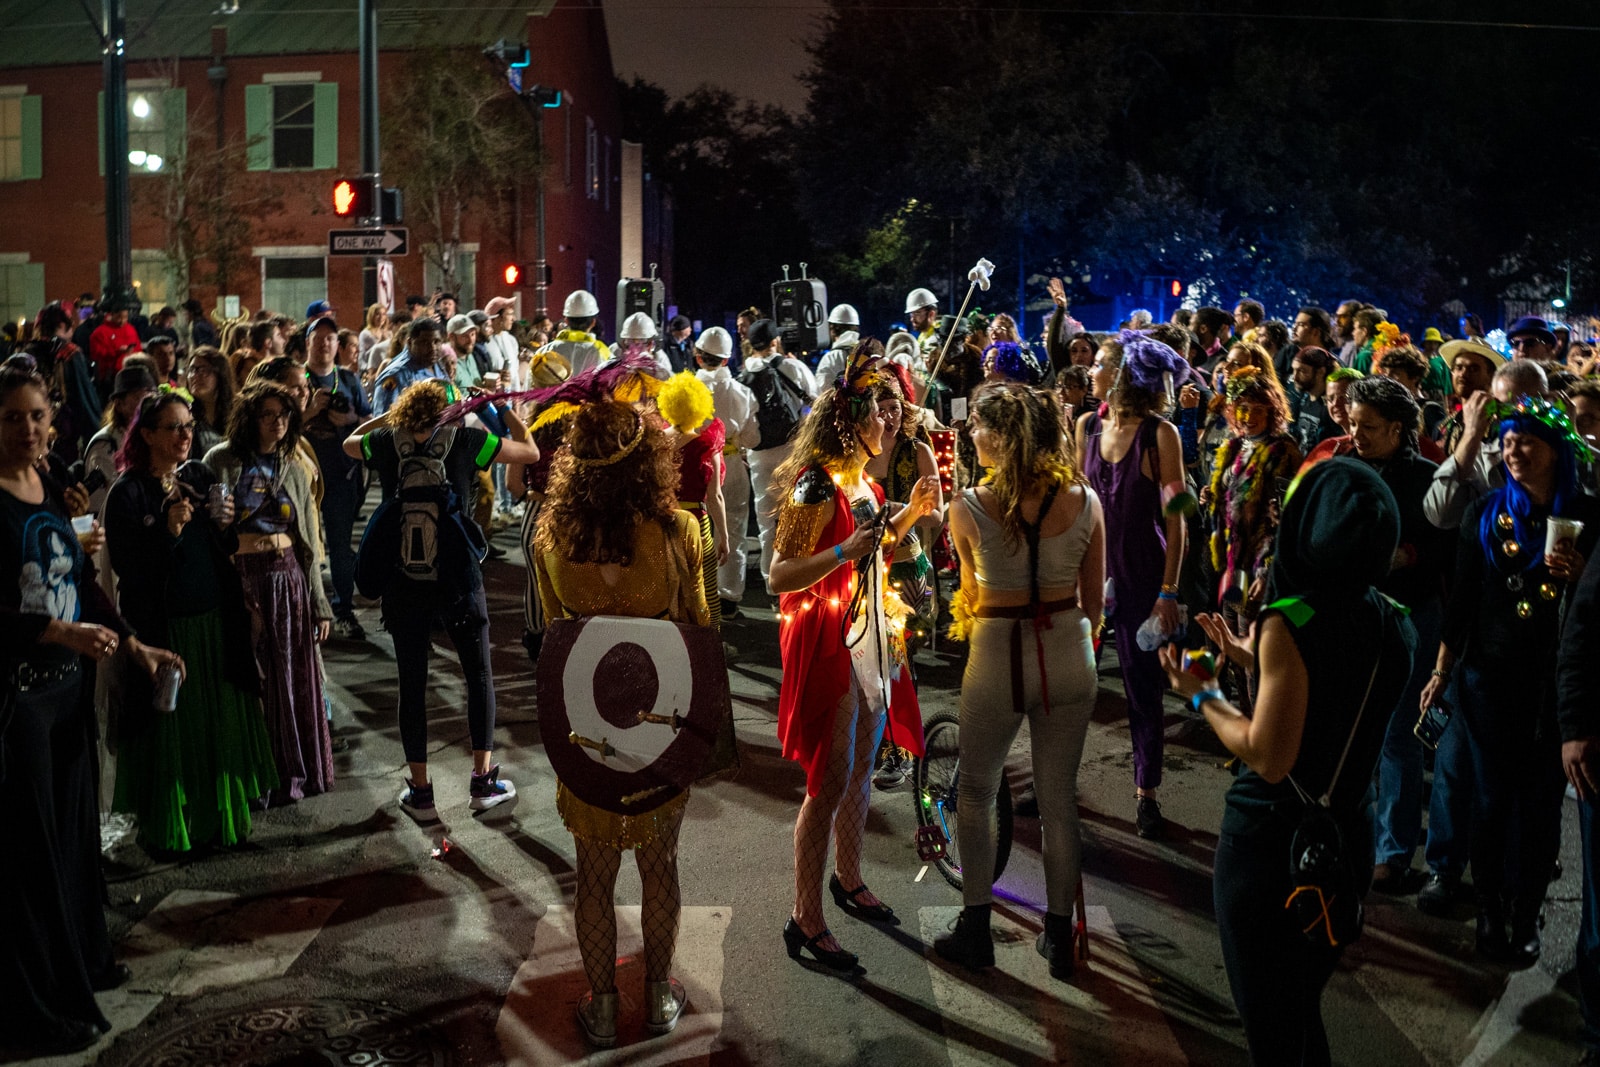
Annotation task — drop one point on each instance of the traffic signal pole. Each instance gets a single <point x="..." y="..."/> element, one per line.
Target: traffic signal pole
<point x="367" y="12"/>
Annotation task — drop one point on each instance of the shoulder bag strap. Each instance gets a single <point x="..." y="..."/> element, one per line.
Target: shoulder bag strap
<point x="1326" y="800"/>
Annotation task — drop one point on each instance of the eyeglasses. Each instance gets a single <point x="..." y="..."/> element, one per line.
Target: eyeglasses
<point x="1523" y="342"/>
<point x="178" y="427"/>
<point x="273" y="416"/>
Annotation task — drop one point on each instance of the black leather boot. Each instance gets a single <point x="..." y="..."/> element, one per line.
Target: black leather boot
<point x="1492" y="942"/>
<point x="969" y="944"/>
<point x="1525" y="944"/>
<point x="1055" y="945"/>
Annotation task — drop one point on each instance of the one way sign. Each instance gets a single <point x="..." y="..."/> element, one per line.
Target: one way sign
<point x="390" y="241"/>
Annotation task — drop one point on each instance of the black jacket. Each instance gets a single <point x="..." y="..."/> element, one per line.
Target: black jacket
<point x="1578" y="665"/>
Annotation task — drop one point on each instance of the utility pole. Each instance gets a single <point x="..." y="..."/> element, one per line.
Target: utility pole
<point x="368" y="14"/>
<point x="119" y="239"/>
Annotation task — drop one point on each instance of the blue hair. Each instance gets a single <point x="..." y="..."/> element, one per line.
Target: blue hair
<point x="1512" y="498"/>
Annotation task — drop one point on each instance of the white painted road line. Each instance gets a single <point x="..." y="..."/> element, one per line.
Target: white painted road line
<point x="537" y="1025"/>
<point x="194" y="940"/>
<point x="1017" y="1014"/>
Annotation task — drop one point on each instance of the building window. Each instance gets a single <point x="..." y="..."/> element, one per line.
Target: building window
<point x="466" y="277"/>
<point x="591" y="154"/>
<point x="289" y="283"/>
<point x="10" y="138"/>
<point x="157" y="127"/>
<point x="292" y="125"/>
<point x="21" y="291"/>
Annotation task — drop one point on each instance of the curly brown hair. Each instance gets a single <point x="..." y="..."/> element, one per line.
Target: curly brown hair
<point x="417" y="409"/>
<point x="1402" y="359"/>
<point x="244" y="434"/>
<point x="592" y="511"/>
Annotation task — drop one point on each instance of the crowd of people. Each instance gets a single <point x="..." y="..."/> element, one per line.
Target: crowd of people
<point x="1352" y="556"/>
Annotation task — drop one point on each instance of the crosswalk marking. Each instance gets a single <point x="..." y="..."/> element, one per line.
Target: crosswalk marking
<point x="1017" y="1014"/>
<point x="195" y="940"/>
<point x="537" y="1026"/>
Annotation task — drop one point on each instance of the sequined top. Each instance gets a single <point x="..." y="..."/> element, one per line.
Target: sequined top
<point x="646" y="589"/>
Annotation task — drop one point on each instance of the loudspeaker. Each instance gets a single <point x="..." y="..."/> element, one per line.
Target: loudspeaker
<point x="648" y="295"/>
<point x="800" y="309"/>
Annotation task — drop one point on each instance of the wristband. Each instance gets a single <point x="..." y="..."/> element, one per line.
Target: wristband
<point x="838" y="553"/>
<point x="1201" y="697"/>
<point x="1437" y="673"/>
<point x="1164" y="595"/>
<point x="1170" y="587"/>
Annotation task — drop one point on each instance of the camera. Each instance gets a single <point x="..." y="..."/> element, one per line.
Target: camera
<point x="1431" y="726"/>
<point x="340" y="403"/>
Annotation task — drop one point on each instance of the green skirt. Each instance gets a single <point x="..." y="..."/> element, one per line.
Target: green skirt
<point x="190" y="776"/>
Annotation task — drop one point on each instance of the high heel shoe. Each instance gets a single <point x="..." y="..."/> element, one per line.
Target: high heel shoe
<point x="597" y="1015"/>
<point x="846" y="899"/>
<point x="1056" y="945"/>
<point x="795" y="940"/>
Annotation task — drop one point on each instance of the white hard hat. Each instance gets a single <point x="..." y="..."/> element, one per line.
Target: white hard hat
<point x="638" y="327"/>
<point x="844" y="315"/>
<point x="920" y="298"/>
<point x="714" y="341"/>
<point x="580" y="303"/>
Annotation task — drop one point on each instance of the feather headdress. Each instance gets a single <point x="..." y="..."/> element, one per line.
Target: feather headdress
<point x="628" y="380"/>
<point x="685" y="402"/>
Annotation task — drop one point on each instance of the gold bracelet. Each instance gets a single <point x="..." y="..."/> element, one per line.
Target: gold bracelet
<point x="1170" y="587"/>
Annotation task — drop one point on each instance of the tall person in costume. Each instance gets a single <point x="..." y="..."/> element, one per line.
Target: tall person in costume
<point x="1031" y="540"/>
<point x="845" y="676"/>
<point x="1328" y="657"/>
<point x="612" y="541"/>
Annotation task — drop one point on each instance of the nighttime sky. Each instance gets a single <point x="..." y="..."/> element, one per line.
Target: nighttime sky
<point x="747" y="46"/>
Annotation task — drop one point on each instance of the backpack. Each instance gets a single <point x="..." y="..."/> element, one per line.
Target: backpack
<point x="420" y="535"/>
<point x="782" y="404"/>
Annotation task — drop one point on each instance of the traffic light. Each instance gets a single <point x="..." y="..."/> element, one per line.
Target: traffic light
<point x="512" y="274"/>
<point x="1175" y="288"/>
<point x="352" y="198"/>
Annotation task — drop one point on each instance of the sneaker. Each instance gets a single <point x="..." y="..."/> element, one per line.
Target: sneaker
<point x="489" y="789"/>
<point x="417" y="802"/>
<point x="892" y="771"/>
<point x="346" y="628"/>
<point x="730" y="609"/>
<point x="495" y="552"/>
<point x="664" y="1003"/>
<point x="1148" y="820"/>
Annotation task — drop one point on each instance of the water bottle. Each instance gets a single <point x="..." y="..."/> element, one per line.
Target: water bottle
<point x="1111" y="598"/>
<point x="1153" y="634"/>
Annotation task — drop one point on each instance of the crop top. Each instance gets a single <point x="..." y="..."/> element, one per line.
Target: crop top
<point x="1003" y="567"/>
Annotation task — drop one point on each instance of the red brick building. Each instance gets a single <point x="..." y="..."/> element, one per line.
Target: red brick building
<point x="288" y="85"/>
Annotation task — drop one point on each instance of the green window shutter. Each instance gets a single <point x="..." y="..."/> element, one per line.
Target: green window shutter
<point x="258" y="126"/>
<point x="325" y="111"/>
<point x="175" y="104"/>
<point x="32" y="141"/>
<point x="33" y="285"/>
<point x="100" y="128"/>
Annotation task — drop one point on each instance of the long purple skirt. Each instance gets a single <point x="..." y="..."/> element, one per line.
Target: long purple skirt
<point x="284" y="627"/>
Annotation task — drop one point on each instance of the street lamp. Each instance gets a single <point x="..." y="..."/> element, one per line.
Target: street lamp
<point x="1558" y="303"/>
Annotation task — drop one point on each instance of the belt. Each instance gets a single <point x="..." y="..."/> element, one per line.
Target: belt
<point x="250" y="544"/>
<point x="27" y="676"/>
<point x="1040" y="614"/>
<point x="731" y="450"/>
<point x="693" y="506"/>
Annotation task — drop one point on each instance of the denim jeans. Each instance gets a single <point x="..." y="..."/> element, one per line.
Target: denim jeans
<point x="1397" y="811"/>
<point x="1450" y="808"/>
<point x="341" y="499"/>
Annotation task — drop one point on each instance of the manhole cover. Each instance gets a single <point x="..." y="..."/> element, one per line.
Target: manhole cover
<point x="321" y="1033"/>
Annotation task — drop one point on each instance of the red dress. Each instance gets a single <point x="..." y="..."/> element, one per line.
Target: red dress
<point x="817" y="667"/>
<point x="698" y="463"/>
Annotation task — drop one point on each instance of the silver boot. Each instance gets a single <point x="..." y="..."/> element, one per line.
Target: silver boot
<point x="597" y="1015"/>
<point x="664" y="1003"/>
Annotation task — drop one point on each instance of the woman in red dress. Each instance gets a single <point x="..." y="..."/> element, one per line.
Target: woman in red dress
<point x="685" y="403"/>
<point x="844" y="674"/>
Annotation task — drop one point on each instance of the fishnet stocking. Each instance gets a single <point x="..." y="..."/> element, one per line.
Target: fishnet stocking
<point x="658" y="874"/>
<point x="595" y="906"/>
<point x="840" y="805"/>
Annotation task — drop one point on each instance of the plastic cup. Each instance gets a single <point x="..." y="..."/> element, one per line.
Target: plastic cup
<point x="1557" y="531"/>
<point x="83" y="526"/>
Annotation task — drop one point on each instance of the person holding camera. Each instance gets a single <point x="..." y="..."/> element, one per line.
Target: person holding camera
<point x="1328" y="658"/>
<point x="337" y="403"/>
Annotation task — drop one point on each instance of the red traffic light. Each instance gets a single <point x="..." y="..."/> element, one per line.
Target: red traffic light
<point x="512" y="274"/>
<point x="344" y="197"/>
<point x="1177" y="287"/>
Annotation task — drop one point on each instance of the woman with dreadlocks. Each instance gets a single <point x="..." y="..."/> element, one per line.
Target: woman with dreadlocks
<point x="1031" y="540"/>
<point x="1131" y="458"/>
<point x="845" y="673"/>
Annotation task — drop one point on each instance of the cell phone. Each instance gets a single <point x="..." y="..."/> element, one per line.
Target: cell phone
<point x="94" y="480"/>
<point x="1431" y="726"/>
<point x="958" y="409"/>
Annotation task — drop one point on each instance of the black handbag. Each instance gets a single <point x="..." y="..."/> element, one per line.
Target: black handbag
<point x="1325" y="903"/>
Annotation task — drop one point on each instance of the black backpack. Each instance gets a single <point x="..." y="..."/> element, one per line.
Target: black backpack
<point x="782" y="403"/>
<point x="421" y="534"/>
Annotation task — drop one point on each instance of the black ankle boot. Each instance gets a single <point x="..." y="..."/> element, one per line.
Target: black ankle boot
<point x="1055" y="945"/>
<point x="1525" y="944"/>
<point x="1492" y="942"/>
<point x="969" y="944"/>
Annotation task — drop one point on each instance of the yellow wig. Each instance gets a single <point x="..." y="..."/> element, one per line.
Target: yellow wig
<point x="685" y="402"/>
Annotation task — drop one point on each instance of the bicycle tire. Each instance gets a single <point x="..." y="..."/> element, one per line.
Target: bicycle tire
<point x="935" y="776"/>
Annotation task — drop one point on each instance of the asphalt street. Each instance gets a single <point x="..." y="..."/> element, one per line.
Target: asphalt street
<point x="343" y="933"/>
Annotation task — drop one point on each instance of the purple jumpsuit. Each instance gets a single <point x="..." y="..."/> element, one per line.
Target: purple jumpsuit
<point x="1136" y="560"/>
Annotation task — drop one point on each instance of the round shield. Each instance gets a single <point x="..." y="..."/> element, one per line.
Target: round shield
<point x="629" y="708"/>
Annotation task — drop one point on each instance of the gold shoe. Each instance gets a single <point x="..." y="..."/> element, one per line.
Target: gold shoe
<point x="597" y="1015"/>
<point x="664" y="1002"/>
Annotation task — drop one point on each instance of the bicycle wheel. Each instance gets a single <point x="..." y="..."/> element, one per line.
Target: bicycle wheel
<point x="936" y="775"/>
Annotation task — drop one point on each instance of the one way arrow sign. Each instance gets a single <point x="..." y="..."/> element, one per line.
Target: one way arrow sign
<point x="391" y="241"/>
